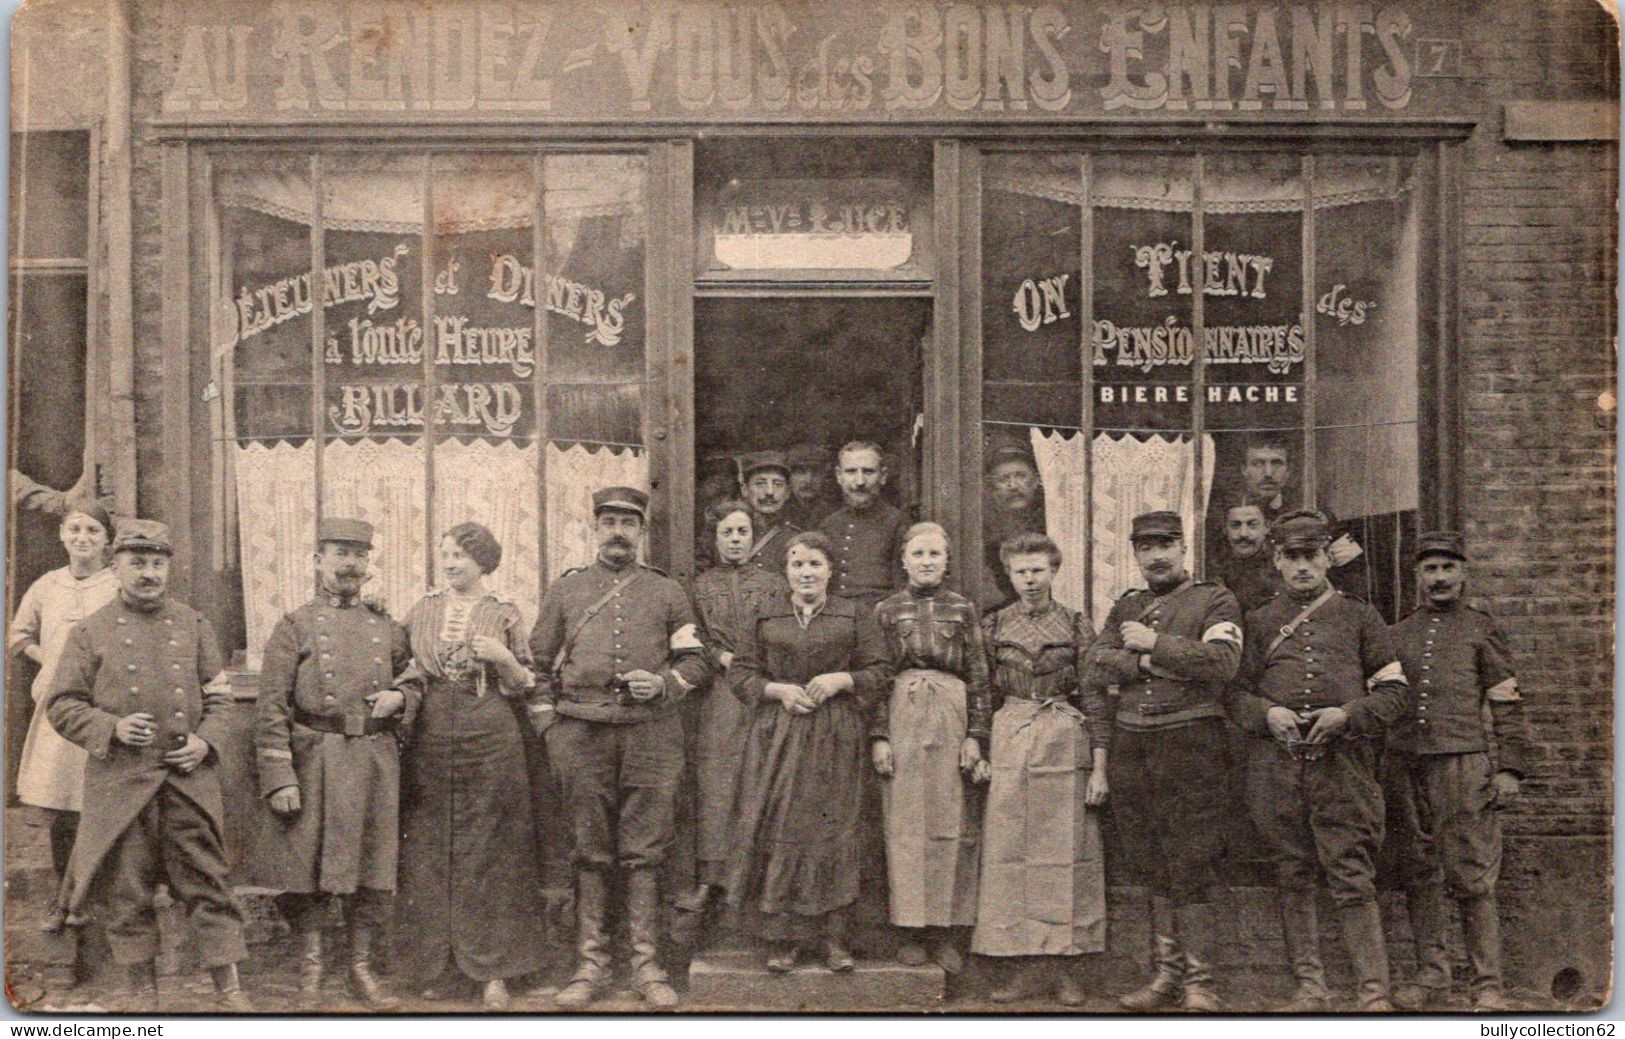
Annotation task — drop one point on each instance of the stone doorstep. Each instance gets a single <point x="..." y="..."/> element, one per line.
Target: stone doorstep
<point x="739" y="981"/>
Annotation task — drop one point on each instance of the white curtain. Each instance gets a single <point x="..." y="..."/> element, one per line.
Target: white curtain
<point x="1131" y="476"/>
<point x="382" y="482"/>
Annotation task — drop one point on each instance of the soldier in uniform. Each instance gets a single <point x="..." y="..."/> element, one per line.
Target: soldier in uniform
<point x="867" y="532"/>
<point x="812" y="496"/>
<point x="1170" y="648"/>
<point x="764" y="483"/>
<point x="1245" y="566"/>
<point x="1321" y="683"/>
<point x="142" y="688"/>
<point x="329" y="763"/>
<point x="1013" y="503"/>
<point x="1442" y="786"/>
<point x="623" y="644"/>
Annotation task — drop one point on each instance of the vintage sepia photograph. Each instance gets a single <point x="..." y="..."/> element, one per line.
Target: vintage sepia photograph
<point x="1096" y="507"/>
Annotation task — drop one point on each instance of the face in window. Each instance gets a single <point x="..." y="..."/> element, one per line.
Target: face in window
<point x="618" y="533"/>
<point x="861" y="475"/>
<point x="1161" y="560"/>
<point x="1303" y="569"/>
<point x="1013" y="485"/>
<point x="84" y="538"/>
<point x="1266" y="472"/>
<point x="1441" y="579"/>
<point x="925" y="558"/>
<point x="1244" y="530"/>
<point x="807" y="570"/>
<point x="767" y="490"/>
<point x="341" y="566"/>
<point x="1031" y="574"/>
<point x="734" y="537"/>
<point x="142" y="576"/>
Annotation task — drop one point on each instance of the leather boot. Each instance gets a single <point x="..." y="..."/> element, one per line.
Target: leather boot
<point x="228" y="990"/>
<point x="138" y="994"/>
<point x="1200" y="940"/>
<point x="310" y="962"/>
<point x="1018" y="983"/>
<point x="837" y="955"/>
<point x="1424" y="904"/>
<point x="592" y="945"/>
<point x="1368" y="956"/>
<point x="1069" y="990"/>
<point x="1481" y="933"/>
<point x="1300" y="931"/>
<point x="363" y="983"/>
<point x="1167" y="961"/>
<point x="643" y="924"/>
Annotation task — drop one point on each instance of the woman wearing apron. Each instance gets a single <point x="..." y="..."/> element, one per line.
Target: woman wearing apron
<point x="927" y="745"/>
<point x="52" y="771"/>
<point x="809" y="669"/>
<point x="1043" y="892"/>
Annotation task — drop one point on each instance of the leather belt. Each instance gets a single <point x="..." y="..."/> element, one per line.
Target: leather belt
<point x="1129" y="717"/>
<point x="347" y="725"/>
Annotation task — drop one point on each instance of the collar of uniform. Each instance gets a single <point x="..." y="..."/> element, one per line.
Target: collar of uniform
<point x="612" y="568"/>
<point x="1305" y="598"/>
<point x="338" y="602"/>
<point x="1450" y="607"/>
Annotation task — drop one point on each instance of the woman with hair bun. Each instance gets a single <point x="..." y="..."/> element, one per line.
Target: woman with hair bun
<point x="469" y="888"/>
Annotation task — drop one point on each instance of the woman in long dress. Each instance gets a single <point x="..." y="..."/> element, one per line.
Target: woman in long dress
<point x="810" y="668"/>
<point x="470" y="892"/>
<point x="52" y="770"/>
<point x="928" y="738"/>
<point x="1043" y="894"/>
<point x="729" y="595"/>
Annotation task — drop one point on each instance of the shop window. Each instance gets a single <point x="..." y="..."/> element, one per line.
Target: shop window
<point x="1297" y="273"/>
<point x="447" y="374"/>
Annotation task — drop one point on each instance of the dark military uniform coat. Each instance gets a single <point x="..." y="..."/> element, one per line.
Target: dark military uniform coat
<point x="126" y="660"/>
<point x="320" y="664"/>
<point x="868" y="547"/>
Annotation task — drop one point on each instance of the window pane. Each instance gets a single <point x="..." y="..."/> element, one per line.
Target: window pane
<point x="50" y="192"/>
<point x="1366" y="379"/>
<point x="485" y="362"/>
<point x="1253" y="320"/>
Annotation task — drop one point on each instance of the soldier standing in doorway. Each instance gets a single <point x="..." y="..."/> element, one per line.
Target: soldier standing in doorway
<point x="764" y="482"/>
<point x="812" y="495"/>
<point x="867" y="531"/>
<point x="329" y="763"/>
<point x="142" y="688"/>
<point x="1320" y="680"/>
<point x="624" y="648"/>
<point x="1442" y="786"/>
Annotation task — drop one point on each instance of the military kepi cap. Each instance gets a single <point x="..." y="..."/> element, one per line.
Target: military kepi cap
<point x="758" y="460"/>
<point x="343" y="528"/>
<point x="625" y="499"/>
<point x="1301" y="528"/>
<point x="139" y="535"/>
<point x="1160" y="524"/>
<point x="997" y="456"/>
<point x="1441" y="543"/>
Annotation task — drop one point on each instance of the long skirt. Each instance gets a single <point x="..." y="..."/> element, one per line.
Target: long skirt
<point x="719" y="750"/>
<point x="469" y="890"/>
<point x="797" y="837"/>
<point x="932" y="816"/>
<point x="1043" y="873"/>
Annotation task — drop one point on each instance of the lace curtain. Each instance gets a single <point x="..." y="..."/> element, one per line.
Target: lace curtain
<point x="382" y="482"/>
<point x="1131" y="476"/>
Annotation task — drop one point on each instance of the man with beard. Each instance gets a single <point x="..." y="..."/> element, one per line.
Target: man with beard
<point x="811" y="497"/>
<point x="624" y="650"/>
<point x="1170" y="648"/>
<point x="141" y="687"/>
<point x="329" y="763"/>
<point x="1246" y="568"/>
<point x="1443" y="788"/>
<point x="764" y="482"/>
<point x="1320" y="682"/>
<point x="866" y="532"/>
<point x="1014" y="505"/>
